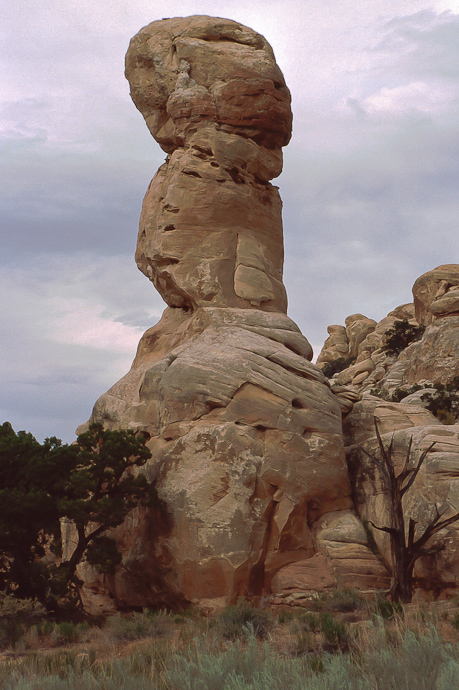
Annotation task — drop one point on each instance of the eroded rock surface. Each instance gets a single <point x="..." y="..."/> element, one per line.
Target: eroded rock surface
<point x="214" y="98"/>
<point x="433" y="358"/>
<point x="245" y="433"/>
<point x="377" y="377"/>
<point x="435" y="488"/>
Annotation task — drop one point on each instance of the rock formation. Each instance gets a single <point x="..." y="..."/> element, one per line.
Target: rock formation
<point x="375" y="378"/>
<point x="254" y="496"/>
<point x="434" y="357"/>
<point x="245" y="433"/>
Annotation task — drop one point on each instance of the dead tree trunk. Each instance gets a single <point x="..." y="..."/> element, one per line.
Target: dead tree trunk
<point x="405" y="548"/>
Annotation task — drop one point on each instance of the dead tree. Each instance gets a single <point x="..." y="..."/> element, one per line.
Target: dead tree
<point x="406" y="545"/>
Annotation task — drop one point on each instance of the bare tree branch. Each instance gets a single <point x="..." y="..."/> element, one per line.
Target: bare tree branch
<point x="389" y="530"/>
<point x="405" y="471"/>
<point x="409" y="484"/>
<point x="405" y="548"/>
<point x="434" y="527"/>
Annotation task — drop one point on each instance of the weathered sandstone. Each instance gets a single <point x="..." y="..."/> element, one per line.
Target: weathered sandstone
<point x="433" y="358"/>
<point x="336" y="346"/>
<point x="245" y="433"/>
<point x="436" y="293"/>
<point x="435" y="488"/>
<point x="248" y="438"/>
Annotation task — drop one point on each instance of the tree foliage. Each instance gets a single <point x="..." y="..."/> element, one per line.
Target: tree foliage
<point x="92" y="483"/>
<point x="402" y="334"/>
<point x="407" y="542"/>
<point x="333" y="367"/>
<point x="445" y="400"/>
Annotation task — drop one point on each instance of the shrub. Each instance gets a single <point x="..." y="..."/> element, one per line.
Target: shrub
<point x="285" y="617"/>
<point x="137" y="626"/>
<point x="239" y="667"/>
<point x="444" y="403"/>
<point x="388" y="609"/>
<point x="238" y="619"/>
<point x="67" y="632"/>
<point x="420" y="662"/>
<point x="16" y="615"/>
<point x="343" y="600"/>
<point x="400" y="394"/>
<point x="334" y="632"/>
<point x="402" y="334"/>
<point x="337" y="365"/>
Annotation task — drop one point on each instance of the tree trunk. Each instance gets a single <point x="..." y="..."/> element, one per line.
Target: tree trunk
<point x="402" y="569"/>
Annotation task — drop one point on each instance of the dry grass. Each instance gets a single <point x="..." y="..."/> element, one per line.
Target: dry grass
<point x="163" y="651"/>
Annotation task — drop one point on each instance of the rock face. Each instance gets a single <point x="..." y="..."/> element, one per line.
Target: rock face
<point x="245" y="433"/>
<point x="214" y="98"/>
<point x="375" y="376"/>
<point x="435" y="488"/>
<point x="436" y="294"/>
<point x="433" y="358"/>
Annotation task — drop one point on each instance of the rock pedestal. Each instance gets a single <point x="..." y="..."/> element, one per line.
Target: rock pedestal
<point x="245" y="433"/>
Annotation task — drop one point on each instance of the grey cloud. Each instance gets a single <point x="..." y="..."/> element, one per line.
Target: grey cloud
<point x="426" y="43"/>
<point x="68" y="201"/>
<point x="370" y="199"/>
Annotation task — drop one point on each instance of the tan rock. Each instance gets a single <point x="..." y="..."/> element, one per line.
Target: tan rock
<point x="358" y="327"/>
<point x="336" y="346"/>
<point x="347" y="396"/>
<point x="308" y="576"/>
<point x="436" y="293"/>
<point x="359" y="424"/>
<point x="436" y="356"/>
<point x="404" y="311"/>
<point x="187" y="71"/>
<point x="208" y="236"/>
<point x="341" y="537"/>
<point x="356" y="373"/>
<point x="245" y="433"/>
<point x="435" y="488"/>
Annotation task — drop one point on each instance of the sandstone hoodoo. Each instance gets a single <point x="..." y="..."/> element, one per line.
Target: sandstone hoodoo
<point x="247" y="454"/>
<point x="259" y="464"/>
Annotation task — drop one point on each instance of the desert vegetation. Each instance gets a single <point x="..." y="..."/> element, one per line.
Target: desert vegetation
<point x="338" y="640"/>
<point x="91" y="485"/>
<point x="442" y="399"/>
<point x="329" y="369"/>
<point x="402" y="334"/>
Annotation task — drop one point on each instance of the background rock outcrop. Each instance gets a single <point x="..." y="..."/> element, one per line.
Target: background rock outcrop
<point x="384" y="383"/>
<point x="433" y="358"/>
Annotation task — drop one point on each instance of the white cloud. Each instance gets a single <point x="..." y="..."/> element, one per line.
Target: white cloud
<point x="416" y="96"/>
<point x="76" y="323"/>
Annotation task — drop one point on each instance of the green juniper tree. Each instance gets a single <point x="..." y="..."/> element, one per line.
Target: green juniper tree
<point x="92" y="483"/>
<point x="402" y="334"/>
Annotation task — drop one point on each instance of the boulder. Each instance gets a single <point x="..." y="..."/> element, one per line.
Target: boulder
<point x="358" y="327"/>
<point x="335" y="347"/>
<point x="436" y="293"/>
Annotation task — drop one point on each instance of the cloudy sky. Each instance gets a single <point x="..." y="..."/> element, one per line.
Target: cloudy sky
<point x="370" y="181"/>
